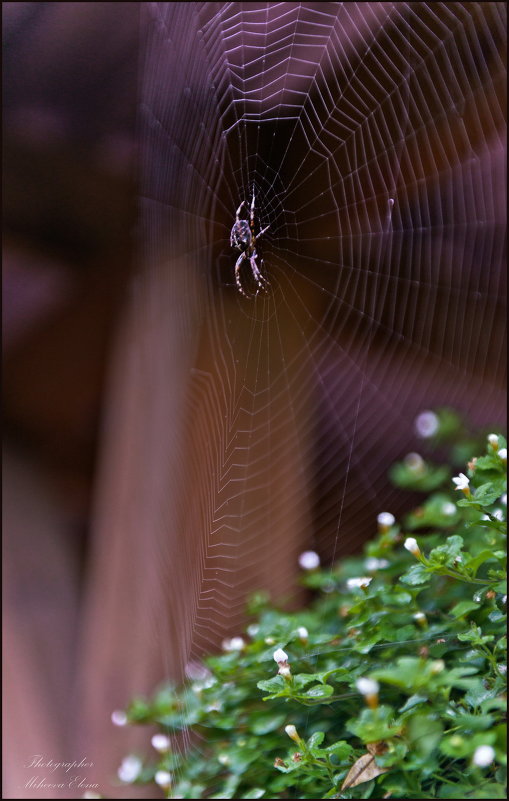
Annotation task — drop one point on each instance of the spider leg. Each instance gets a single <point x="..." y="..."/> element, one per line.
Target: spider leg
<point x="262" y="231"/>
<point x="237" y="274"/>
<point x="238" y="210"/>
<point x="259" y="278"/>
<point x="251" y="213"/>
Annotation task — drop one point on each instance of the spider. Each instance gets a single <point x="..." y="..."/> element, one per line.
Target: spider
<point x="244" y="238"/>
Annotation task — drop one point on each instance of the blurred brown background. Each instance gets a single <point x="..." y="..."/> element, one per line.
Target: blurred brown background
<point x="70" y="75"/>
<point x="111" y="358"/>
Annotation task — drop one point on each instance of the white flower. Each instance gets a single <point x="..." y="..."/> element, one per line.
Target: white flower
<point x="162" y="778"/>
<point x="414" y="462"/>
<point x="503" y="499"/>
<point x="502" y="669"/>
<point x="372" y="563"/>
<point x="253" y="629"/>
<point x="367" y="687"/>
<point x="309" y="560"/>
<point x="118" y="717"/>
<point x="504" y="599"/>
<point x="224" y="759"/>
<point x="461" y="481"/>
<point x="161" y="743"/>
<point x="483" y="756"/>
<point x="235" y="644"/>
<point x="426" y="424"/>
<point x="280" y="656"/>
<point x="292" y="732"/>
<point x="284" y="671"/>
<point x="448" y="508"/>
<point x="493" y="440"/>
<point x="130" y="769"/>
<point x="503" y="454"/>
<point x="437" y="666"/>
<point x="420" y="617"/>
<point x="385" y="519"/>
<point x="498" y="513"/>
<point x="358" y="583"/>
<point x="411" y="545"/>
<point x="302" y="633"/>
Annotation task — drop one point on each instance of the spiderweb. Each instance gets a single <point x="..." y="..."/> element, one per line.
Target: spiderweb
<point x="373" y="139"/>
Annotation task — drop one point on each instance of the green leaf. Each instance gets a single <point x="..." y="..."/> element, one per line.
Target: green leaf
<point x="319" y="691"/>
<point x="274" y="685"/>
<point x="256" y="792"/>
<point x="488" y="493"/>
<point x="316" y="739"/>
<point x="417" y="574"/>
<point x="463" y="608"/>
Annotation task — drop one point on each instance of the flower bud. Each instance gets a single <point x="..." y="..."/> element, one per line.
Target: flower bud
<point x="493" y="440"/>
<point x="411" y="545"/>
<point x="426" y="424"/>
<point x="303" y="634"/>
<point x="163" y="778"/>
<point x="421" y="619"/>
<point x="309" y="560"/>
<point x="415" y="463"/>
<point x="369" y="689"/>
<point x="483" y="756"/>
<point x="292" y="732"/>
<point x="119" y="717"/>
<point x="503" y="454"/>
<point x="385" y="520"/>
<point x="130" y="769"/>
<point x="280" y="656"/>
<point x="161" y="743"/>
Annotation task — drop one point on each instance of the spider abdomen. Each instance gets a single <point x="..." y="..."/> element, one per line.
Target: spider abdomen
<point x="241" y="235"/>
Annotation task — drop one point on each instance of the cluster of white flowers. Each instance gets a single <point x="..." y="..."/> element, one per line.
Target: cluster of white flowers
<point x="309" y="560"/>
<point x="161" y="742"/>
<point x="359" y="583"/>
<point x="426" y="424"/>
<point x="129" y="769"/>
<point x="235" y="644"/>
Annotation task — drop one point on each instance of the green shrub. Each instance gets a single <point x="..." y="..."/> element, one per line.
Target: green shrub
<point x="390" y="685"/>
